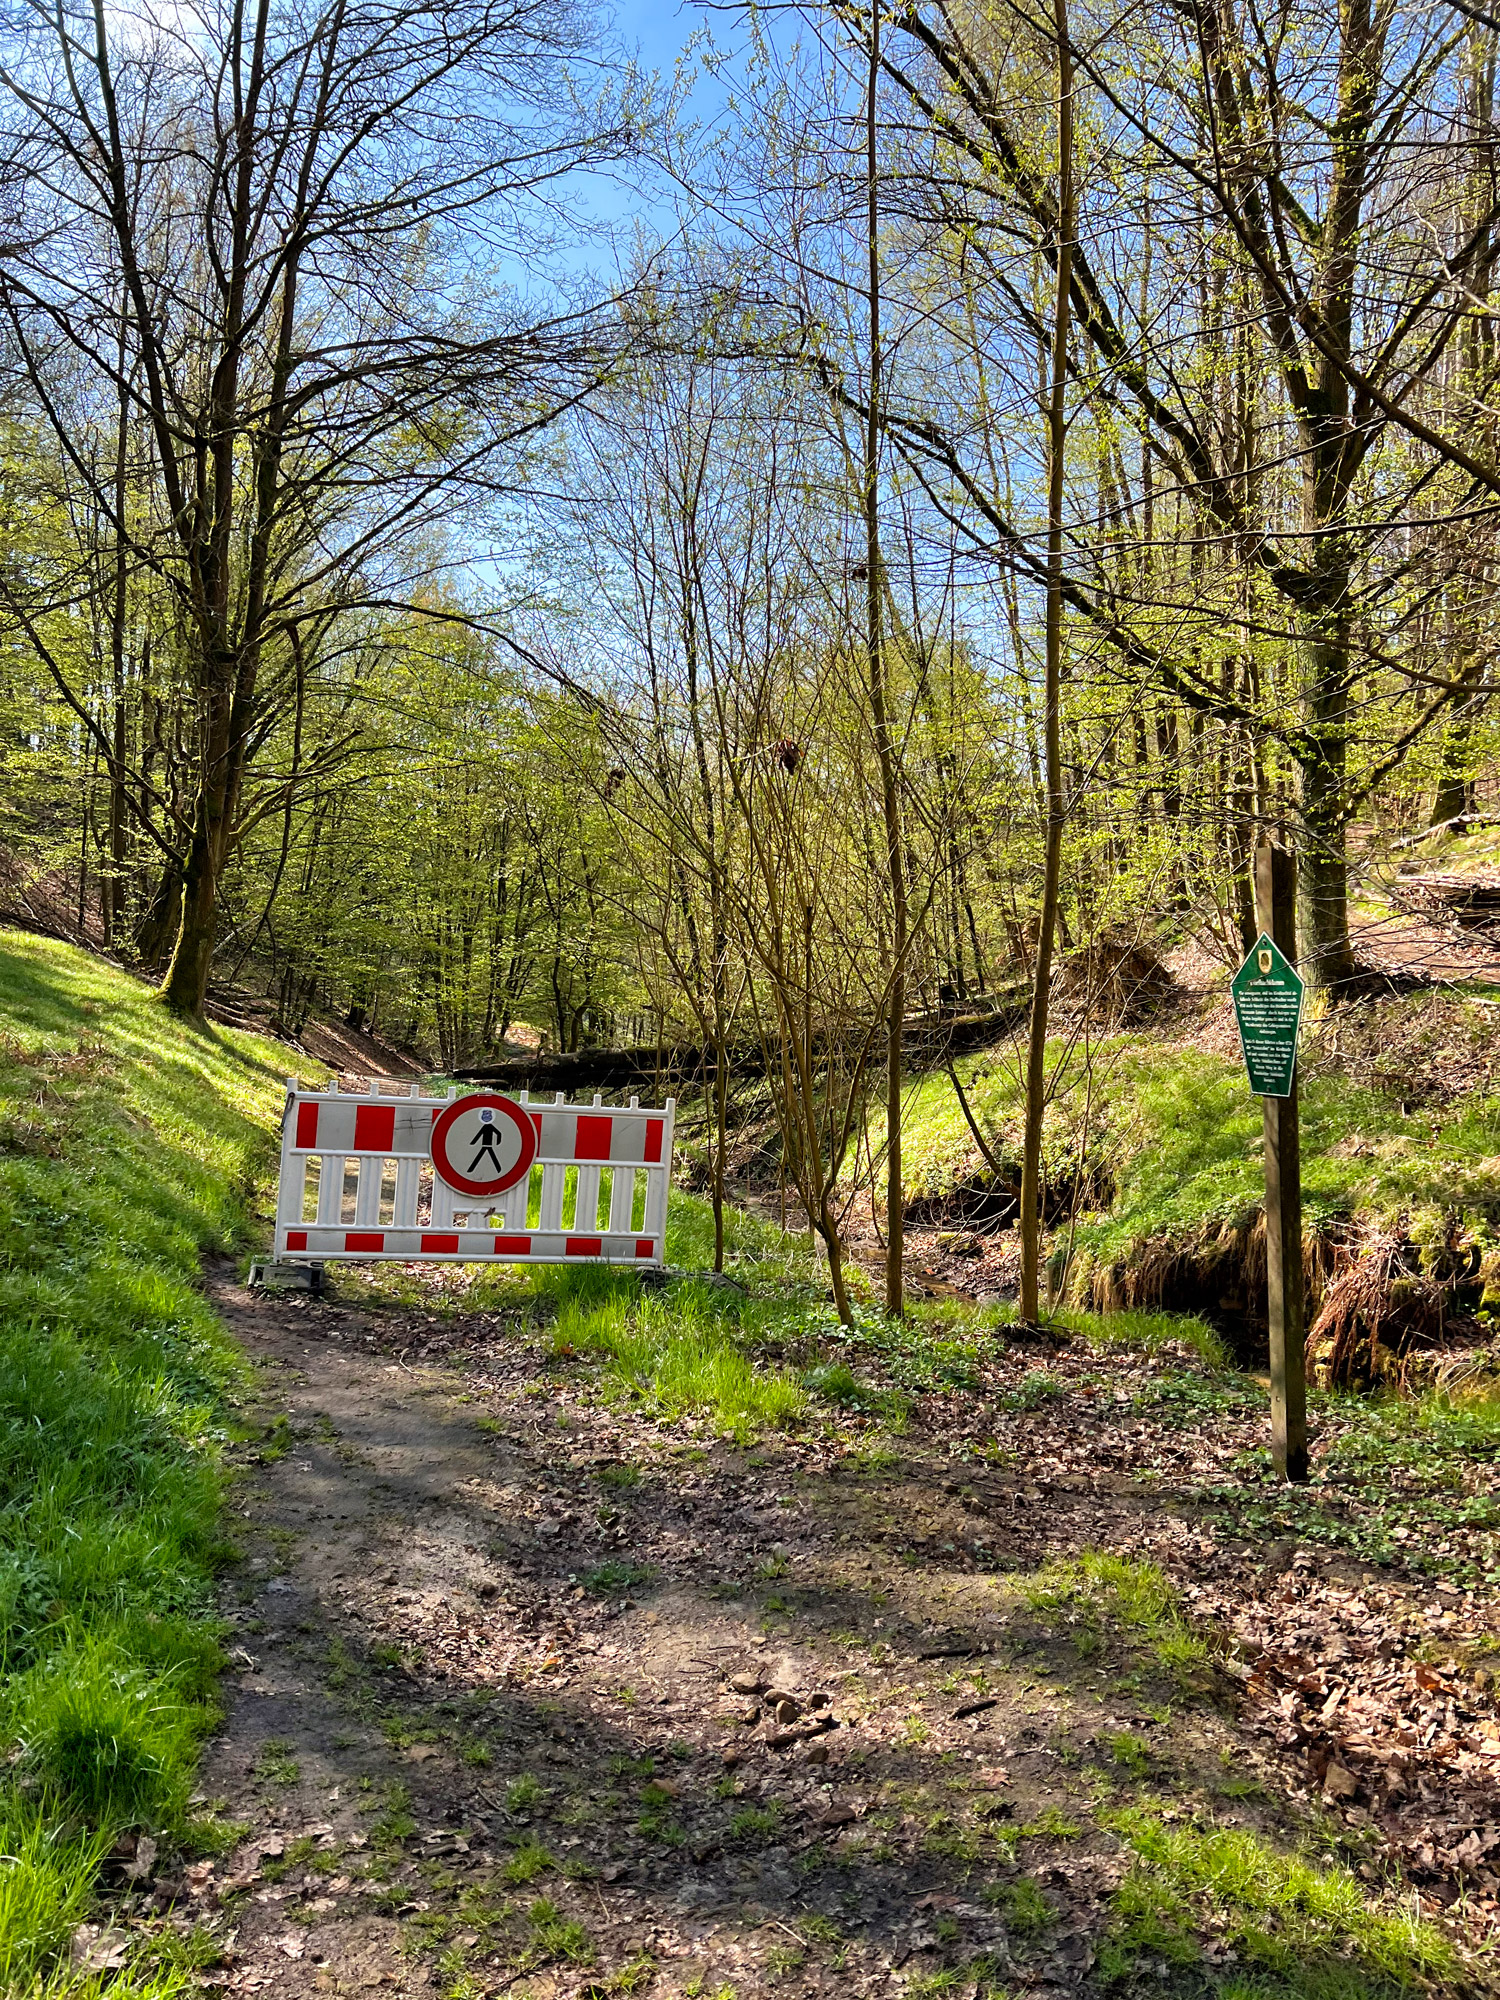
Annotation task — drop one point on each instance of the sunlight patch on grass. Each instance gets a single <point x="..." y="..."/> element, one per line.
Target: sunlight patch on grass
<point x="1309" y="1930"/>
<point x="1136" y="1596"/>
<point x="1149" y="1333"/>
<point x="680" y="1353"/>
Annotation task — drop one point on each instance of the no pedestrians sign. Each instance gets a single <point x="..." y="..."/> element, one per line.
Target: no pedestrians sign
<point x="1268" y="1006"/>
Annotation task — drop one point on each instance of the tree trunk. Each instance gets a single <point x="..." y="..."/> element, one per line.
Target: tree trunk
<point x="185" y="987"/>
<point x="1323" y="866"/>
<point x="890" y="805"/>
<point x="1036" y="1050"/>
<point x="161" y="920"/>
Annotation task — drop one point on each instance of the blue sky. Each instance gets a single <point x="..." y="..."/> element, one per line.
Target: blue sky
<point x="659" y="30"/>
<point x="656" y="33"/>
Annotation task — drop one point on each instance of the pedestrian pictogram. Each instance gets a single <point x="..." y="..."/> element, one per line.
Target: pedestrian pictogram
<point x="1268" y="994"/>
<point x="482" y="1145"/>
<point x="486" y="1139"/>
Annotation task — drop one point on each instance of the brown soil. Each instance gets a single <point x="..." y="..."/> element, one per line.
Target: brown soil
<point x="438" y="1674"/>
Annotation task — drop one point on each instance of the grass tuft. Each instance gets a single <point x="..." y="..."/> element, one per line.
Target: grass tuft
<point x="681" y="1354"/>
<point x="1134" y="1595"/>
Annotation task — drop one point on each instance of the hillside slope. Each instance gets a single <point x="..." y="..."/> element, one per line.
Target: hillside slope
<point x="130" y="1145"/>
<point x="1154" y="1164"/>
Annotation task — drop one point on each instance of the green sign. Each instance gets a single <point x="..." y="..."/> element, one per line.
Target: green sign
<point x="1268" y="1006"/>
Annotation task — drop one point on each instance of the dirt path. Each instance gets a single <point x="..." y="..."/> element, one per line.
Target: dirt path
<point x="532" y="1696"/>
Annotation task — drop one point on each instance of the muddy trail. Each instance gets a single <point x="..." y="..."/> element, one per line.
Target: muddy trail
<point x="534" y="1695"/>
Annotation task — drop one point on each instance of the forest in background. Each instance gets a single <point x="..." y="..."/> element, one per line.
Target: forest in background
<point x="998" y="469"/>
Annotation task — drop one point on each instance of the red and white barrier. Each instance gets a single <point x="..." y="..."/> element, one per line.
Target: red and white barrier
<point x="407" y="1175"/>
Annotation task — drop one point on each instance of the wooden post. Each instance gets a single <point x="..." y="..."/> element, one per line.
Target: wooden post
<point x="1276" y="913"/>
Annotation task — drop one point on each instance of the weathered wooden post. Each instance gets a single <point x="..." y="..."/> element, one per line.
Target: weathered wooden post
<point x="1268" y="997"/>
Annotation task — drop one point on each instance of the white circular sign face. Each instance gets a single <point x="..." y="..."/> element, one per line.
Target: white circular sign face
<point x="482" y="1145"/>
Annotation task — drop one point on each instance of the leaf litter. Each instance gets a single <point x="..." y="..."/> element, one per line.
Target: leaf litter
<point x="845" y="1710"/>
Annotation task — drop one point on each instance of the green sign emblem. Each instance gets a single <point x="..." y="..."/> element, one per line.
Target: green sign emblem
<point x="1268" y="1007"/>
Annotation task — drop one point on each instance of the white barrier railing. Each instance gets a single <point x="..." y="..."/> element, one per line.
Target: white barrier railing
<point x="363" y="1176"/>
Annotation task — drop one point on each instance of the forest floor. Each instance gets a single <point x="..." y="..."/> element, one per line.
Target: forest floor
<point x="1026" y="1681"/>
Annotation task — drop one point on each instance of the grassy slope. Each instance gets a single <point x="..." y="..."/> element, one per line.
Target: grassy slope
<point x="128" y="1146"/>
<point x="1182" y="1136"/>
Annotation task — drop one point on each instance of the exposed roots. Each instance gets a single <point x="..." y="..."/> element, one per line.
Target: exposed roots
<point x="1375" y="1303"/>
<point x="1378" y="1309"/>
<point x="1117" y="982"/>
<point x="1218" y="1273"/>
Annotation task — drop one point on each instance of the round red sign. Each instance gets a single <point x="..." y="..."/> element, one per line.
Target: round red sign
<point x="482" y="1145"/>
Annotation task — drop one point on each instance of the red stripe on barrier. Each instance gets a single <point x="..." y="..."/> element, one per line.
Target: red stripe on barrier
<point x="592" y="1142"/>
<point x="296" y="1239"/>
<point x="366" y="1239"/>
<point x="582" y="1246"/>
<point x="645" y="1246"/>
<point x="512" y="1246"/>
<point x="307" y="1124"/>
<point x="439" y="1243"/>
<point x="653" y="1139"/>
<point x="374" y="1128"/>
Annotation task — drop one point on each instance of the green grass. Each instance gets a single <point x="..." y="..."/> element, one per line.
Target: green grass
<point x="755" y="1824"/>
<point x="524" y="1794"/>
<point x="684" y="1353"/>
<point x="395" y="1823"/>
<point x="1134" y="1596"/>
<point x="528" y="1861"/>
<point x="1397" y="1481"/>
<point x="1148" y="1333"/>
<point x="130" y="1145"/>
<point x="1131" y="1752"/>
<point x="1181" y="1134"/>
<point x="1026" y="1911"/>
<point x="615" y="1576"/>
<point x="558" y="1936"/>
<point x="1303" y="1931"/>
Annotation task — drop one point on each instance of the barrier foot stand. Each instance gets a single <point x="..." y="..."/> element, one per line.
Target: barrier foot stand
<point x="281" y="1277"/>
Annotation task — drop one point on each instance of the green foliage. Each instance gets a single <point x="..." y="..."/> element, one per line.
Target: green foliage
<point x="1400" y="1472"/>
<point x="1307" y="1930"/>
<point x="1035" y="1389"/>
<point x="619" y="1478"/>
<point x="396" y="1823"/>
<point x="1149" y="1333"/>
<point x="528" y="1861"/>
<point x="1180" y="1134"/>
<point x="755" y="1823"/>
<point x="114" y="1740"/>
<point x="614" y="1577"/>
<point x="129" y="1143"/>
<point x="1026" y="1911"/>
<point x="558" y="1936"/>
<point x="1131" y="1752"/>
<point x="524" y="1794"/>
